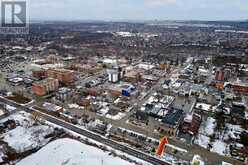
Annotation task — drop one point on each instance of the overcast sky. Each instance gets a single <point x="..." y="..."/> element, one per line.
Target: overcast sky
<point x="138" y="9"/>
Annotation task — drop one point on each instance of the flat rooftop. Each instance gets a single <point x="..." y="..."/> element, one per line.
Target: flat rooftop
<point x="173" y="116"/>
<point x="44" y="81"/>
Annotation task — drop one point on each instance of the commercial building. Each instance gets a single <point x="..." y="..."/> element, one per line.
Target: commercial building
<point x="39" y="73"/>
<point x="84" y="102"/>
<point x="220" y="75"/>
<point x="114" y="75"/>
<point x="240" y="88"/>
<point x="128" y="90"/>
<point x="171" y="121"/>
<point x="52" y="107"/>
<point x="133" y="76"/>
<point x="64" y="94"/>
<point x="122" y="89"/>
<point x="191" y="123"/>
<point x="16" y="80"/>
<point x="64" y="76"/>
<point x="45" y="86"/>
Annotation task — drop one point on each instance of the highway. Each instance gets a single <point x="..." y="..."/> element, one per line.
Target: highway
<point x="90" y="135"/>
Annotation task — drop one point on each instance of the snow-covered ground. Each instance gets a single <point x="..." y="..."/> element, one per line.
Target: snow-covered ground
<point x="10" y="108"/>
<point x="197" y="160"/>
<point x="70" y="152"/>
<point x="22" y="118"/>
<point x="28" y="136"/>
<point x="1" y="112"/>
<point x="202" y="141"/>
<point x="219" y="147"/>
<point x="218" y="144"/>
<point x="22" y="139"/>
<point x="206" y="130"/>
<point x="1" y="154"/>
<point x="116" y="117"/>
<point x="139" y="161"/>
<point x="207" y="127"/>
<point x="25" y="136"/>
<point x="232" y="131"/>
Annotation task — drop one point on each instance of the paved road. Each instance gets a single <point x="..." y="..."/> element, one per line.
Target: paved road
<point x="90" y="135"/>
<point x="209" y="157"/>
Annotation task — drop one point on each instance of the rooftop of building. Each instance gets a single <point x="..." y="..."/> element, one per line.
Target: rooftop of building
<point x="64" y="90"/>
<point x="61" y="70"/>
<point x="173" y="116"/>
<point x="49" y="79"/>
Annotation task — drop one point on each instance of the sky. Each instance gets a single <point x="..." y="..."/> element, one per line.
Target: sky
<point x="138" y="9"/>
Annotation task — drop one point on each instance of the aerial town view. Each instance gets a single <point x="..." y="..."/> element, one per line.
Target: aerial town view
<point x="124" y="82"/>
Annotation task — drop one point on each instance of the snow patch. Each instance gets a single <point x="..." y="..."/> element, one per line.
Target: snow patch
<point x="22" y="139"/>
<point x="70" y="152"/>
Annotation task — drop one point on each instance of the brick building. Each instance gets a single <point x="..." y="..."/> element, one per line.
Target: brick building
<point x="220" y="75"/>
<point x="39" y="74"/>
<point x="45" y="86"/>
<point x="64" y="76"/>
<point x="240" y="88"/>
<point x="191" y="123"/>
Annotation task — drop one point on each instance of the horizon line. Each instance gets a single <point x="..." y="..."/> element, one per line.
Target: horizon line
<point x="136" y="20"/>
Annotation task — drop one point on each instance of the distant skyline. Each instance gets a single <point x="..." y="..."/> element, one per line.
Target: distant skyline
<point x="115" y="10"/>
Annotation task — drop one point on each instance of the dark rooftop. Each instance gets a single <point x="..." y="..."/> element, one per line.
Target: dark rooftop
<point x="173" y="116"/>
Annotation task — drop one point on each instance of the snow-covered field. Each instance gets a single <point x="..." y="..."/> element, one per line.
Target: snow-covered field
<point x="202" y="141"/>
<point x="10" y="108"/>
<point x="233" y="131"/>
<point x="1" y="154"/>
<point x="21" y="117"/>
<point x="219" y="147"/>
<point x="26" y="136"/>
<point x="206" y="130"/>
<point x="219" y="143"/>
<point x="116" y="117"/>
<point x="70" y="152"/>
<point x="207" y="127"/>
<point x="1" y="112"/>
<point x="22" y="139"/>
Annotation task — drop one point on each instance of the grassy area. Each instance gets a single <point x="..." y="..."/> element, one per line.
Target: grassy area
<point x="19" y="99"/>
